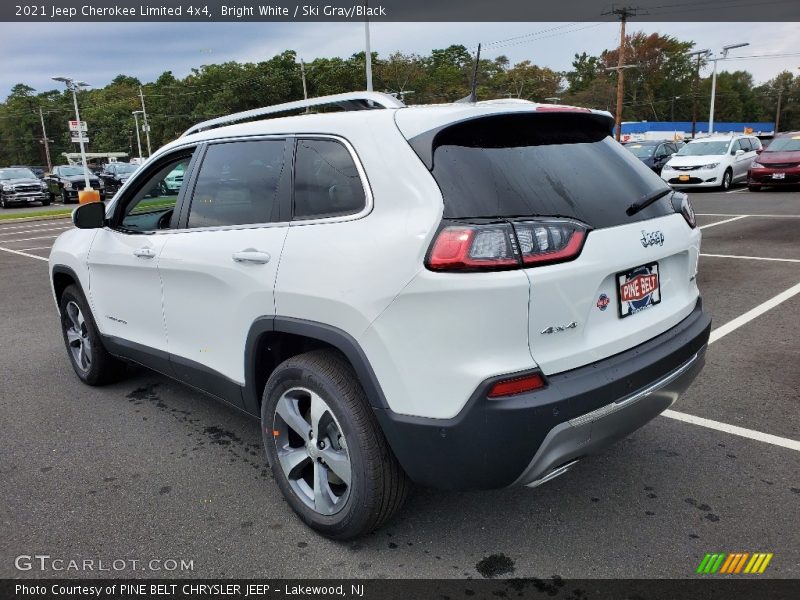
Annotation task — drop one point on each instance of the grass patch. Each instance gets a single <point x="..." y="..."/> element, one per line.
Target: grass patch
<point x="38" y="213"/>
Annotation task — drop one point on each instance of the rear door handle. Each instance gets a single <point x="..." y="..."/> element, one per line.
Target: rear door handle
<point x="251" y="256"/>
<point x="144" y="253"/>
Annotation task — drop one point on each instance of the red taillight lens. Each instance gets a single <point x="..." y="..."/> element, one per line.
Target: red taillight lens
<point x="510" y="245"/>
<point x="473" y="248"/>
<point x="517" y="385"/>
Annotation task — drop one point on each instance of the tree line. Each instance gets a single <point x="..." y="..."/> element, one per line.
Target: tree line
<point x="661" y="87"/>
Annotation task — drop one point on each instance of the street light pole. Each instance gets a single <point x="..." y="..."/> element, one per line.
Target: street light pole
<point x="699" y="54"/>
<point x="138" y="138"/>
<point x="73" y="87"/>
<point x="725" y="50"/>
<point x="368" y="54"/>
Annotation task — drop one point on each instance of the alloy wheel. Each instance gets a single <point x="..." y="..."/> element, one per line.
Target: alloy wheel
<point x="77" y="332"/>
<point x="312" y="451"/>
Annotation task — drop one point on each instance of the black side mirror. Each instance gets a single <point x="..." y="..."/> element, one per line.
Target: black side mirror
<point x="89" y="216"/>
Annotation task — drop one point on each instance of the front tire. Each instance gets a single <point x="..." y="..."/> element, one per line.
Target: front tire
<point x="727" y="180"/>
<point x="326" y="449"/>
<point x="89" y="358"/>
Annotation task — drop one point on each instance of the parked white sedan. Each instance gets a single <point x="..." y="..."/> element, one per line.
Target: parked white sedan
<point x="717" y="161"/>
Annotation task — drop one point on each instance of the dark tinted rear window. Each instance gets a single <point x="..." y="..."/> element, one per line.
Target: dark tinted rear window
<point x="547" y="164"/>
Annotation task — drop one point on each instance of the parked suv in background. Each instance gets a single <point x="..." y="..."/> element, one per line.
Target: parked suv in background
<point x="716" y="161"/>
<point x="654" y="153"/>
<point x="19" y="185"/>
<point x="778" y="164"/>
<point x="466" y="296"/>
<point x="115" y="174"/>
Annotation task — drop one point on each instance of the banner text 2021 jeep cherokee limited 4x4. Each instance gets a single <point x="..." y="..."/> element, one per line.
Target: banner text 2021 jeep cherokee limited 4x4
<point x="464" y="296"/>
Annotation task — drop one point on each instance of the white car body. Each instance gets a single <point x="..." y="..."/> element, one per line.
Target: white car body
<point x="732" y="154"/>
<point x="429" y="341"/>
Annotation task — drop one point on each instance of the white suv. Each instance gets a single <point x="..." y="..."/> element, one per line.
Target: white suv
<point x="466" y="296"/>
<point x="716" y="161"/>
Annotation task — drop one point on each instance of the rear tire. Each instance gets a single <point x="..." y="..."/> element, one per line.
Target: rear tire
<point x="347" y="436"/>
<point x="89" y="358"/>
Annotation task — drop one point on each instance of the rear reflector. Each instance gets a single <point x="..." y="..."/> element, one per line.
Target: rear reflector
<point x="517" y="385"/>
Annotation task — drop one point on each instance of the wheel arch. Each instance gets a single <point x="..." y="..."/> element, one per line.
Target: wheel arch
<point x="271" y="340"/>
<point x="62" y="277"/>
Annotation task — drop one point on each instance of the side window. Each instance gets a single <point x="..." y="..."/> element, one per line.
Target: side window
<point x="737" y="145"/>
<point x="746" y="145"/>
<point x="326" y="181"/>
<point x="152" y="205"/>
<point x="239" y="183"/>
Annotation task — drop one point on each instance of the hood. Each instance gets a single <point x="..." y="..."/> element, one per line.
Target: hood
<point x="24" y="180"/>
<point x="78" y="178"/>
<point x="768" y="158"/>
<point x="695" y="161"/>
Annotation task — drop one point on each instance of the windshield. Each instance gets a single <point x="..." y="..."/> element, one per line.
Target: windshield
<point x="16" y="174"/>
<point x="122" y="168"/>
<point x="69" y="171"/>
<point x="535" y="165"/>
<point x="785" y="144"/>
<point x="704" y="149"/>
<point x="641" y="151"/>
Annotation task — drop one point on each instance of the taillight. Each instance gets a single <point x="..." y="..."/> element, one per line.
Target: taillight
<point x="508" y="245"/>
<point x="681" y="204"/>
<point x="549" y="242"/>
<point x="516" y="385"/>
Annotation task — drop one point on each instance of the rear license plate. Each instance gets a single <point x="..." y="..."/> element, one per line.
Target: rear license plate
<point x="779" y="175"/>
<point x="638" y="289"/>
<point x="684" y="178"/>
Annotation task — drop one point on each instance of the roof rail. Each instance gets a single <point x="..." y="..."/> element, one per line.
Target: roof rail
<point x="348" y="101"/>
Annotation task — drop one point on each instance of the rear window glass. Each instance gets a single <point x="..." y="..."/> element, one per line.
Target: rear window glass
<point x="541" y="165"/>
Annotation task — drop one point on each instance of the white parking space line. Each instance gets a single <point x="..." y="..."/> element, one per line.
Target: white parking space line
<point x="37" y="248"/>
<point x="4" y="227"/>
<point x="9" y="250"/>
<point x="724" y="221"/>
<point x="739" y="191"/>
<point x="757" y="216"/>
<point x="3" y="233"/>
<point x="791" y="260"/>
<point x="751" y="314"/>
<point x="719" y="333"/>
<point x="767" y="438"/>
<point x="42" y="237"/>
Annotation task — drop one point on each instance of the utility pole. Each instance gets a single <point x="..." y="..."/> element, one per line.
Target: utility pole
<point x="695" y="83"/>
<point x="145" y="126"/>
<point x="138" y="139"/>
<point x="778" y="111"/>
<point x="45" y="141"/>
<point x="303" y="74"/>
<point x="623" y="14"/>
<point x="368" y="54"/>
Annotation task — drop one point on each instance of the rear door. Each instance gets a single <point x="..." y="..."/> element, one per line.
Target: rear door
<point x="219" y="272"/>
<point x="554" y="177"/>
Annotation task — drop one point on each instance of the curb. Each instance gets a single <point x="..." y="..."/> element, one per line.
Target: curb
<point x="34" y="218"/>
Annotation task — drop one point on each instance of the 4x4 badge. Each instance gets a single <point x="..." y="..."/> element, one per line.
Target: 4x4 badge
<point x="652" y="238"/>
<point x="557" y="328"/>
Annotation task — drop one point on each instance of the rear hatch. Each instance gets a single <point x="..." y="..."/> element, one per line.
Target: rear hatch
<point x="604" y="276"/>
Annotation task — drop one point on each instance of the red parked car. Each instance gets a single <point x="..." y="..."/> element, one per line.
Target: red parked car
<point x="777" y="164"/>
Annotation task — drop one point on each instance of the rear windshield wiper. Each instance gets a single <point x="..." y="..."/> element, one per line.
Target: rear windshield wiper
<point x="646" y="201"/>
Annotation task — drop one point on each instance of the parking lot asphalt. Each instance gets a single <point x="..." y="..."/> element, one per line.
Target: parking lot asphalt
<point x="148" y="468"/>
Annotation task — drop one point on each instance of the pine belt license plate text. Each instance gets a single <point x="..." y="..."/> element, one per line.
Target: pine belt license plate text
<point x="638" y="289"/>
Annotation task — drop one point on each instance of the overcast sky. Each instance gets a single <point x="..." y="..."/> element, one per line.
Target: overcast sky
<point x="96" y="53"/>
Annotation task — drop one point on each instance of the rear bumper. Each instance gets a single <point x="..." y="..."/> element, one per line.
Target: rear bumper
<point x="764" y="176"/>
<point x="527" y="438"/>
